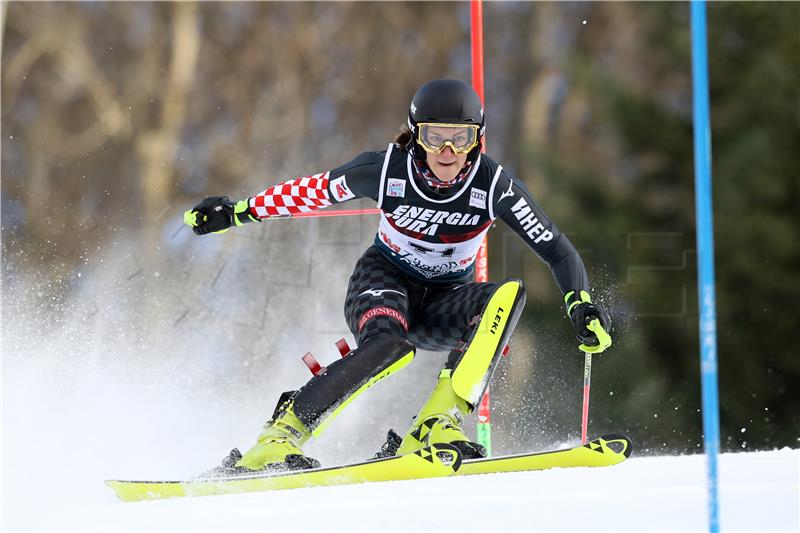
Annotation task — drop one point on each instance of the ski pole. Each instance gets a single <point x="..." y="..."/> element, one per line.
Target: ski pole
<point x="587" y="379"/>
<point x="604" y="341"/>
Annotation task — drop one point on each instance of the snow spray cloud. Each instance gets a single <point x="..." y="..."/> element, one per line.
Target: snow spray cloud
<point x="154" y="361"/>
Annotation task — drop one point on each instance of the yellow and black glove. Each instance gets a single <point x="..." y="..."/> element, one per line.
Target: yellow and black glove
<point x="591" y="322"/>
<point x="216" y="214"/>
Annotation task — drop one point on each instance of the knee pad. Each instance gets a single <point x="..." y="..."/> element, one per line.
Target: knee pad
<point x="473" y="370"/>
<point x="327" y="394"/>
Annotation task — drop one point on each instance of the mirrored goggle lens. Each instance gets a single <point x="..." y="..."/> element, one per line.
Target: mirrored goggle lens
<point x="434" y="137"/>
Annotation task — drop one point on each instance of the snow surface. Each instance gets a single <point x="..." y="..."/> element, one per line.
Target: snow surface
<point x="759" y="492"/>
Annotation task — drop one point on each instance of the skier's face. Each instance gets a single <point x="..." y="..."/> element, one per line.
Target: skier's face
<point x="447" y="164"/>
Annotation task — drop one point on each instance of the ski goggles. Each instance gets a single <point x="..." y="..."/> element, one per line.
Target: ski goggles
<point x="434" y="137"/>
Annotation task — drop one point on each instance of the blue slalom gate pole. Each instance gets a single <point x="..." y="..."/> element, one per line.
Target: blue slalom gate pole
<point x="705" y="256"/>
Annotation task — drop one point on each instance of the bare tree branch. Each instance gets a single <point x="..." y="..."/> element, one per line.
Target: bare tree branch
<point x="157" y="147"/>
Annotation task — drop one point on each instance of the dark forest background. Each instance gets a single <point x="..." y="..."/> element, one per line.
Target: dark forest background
<point x="118" y="116"/>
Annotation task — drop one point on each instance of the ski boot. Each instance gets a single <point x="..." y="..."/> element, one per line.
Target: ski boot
<point x="439" y="422"/>
<point x="277" y="448"/>
<point x="462" y="384"/>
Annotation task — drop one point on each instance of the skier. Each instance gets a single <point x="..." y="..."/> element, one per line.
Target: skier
<point x="412" y="288"/>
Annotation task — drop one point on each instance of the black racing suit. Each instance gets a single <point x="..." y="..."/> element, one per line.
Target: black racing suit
<point x="422" y="262"/>
<point x="415" y="281"/>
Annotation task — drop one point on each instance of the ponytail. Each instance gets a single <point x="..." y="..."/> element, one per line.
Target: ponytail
<point x="404" y="137"/>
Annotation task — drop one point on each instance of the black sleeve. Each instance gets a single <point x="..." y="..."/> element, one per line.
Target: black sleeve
<point x="360" y="178"/>
<point x="514" y="204"/>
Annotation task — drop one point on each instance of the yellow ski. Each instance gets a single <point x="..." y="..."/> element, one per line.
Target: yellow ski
<point x="607" y="450"/>
<point x="438" y="460"/>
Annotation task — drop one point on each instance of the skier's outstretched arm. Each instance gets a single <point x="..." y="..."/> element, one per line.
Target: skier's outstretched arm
<point x="358" y="178"/>
<point x="513" y="203"/>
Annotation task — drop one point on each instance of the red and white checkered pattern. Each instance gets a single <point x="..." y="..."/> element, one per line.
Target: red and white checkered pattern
<point x="299" y="195"/>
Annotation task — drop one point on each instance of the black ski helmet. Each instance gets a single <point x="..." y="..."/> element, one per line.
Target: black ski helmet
<point x="445" y="101"/>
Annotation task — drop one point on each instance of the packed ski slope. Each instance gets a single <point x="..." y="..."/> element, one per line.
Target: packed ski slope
<point x="759" y="493"/>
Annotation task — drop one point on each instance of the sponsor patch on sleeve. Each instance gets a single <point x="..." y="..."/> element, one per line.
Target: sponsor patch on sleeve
<point x="340" y="190"/>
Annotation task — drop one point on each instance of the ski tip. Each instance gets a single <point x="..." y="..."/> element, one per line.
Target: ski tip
<point x="121" y="490"/>
<point x="617" y="443"/>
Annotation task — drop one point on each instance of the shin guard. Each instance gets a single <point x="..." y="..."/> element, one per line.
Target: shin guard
<point x="473" y="368"/>
<point x="327" y="394"/>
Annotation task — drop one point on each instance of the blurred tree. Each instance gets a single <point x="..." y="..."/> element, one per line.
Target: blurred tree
<point x="158" y="146"/>
<point x="607" y="145"/>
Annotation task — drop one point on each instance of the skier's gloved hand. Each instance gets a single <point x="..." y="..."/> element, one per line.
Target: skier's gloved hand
<point x="216" y="214"/>
<point x="591" y="322"/>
